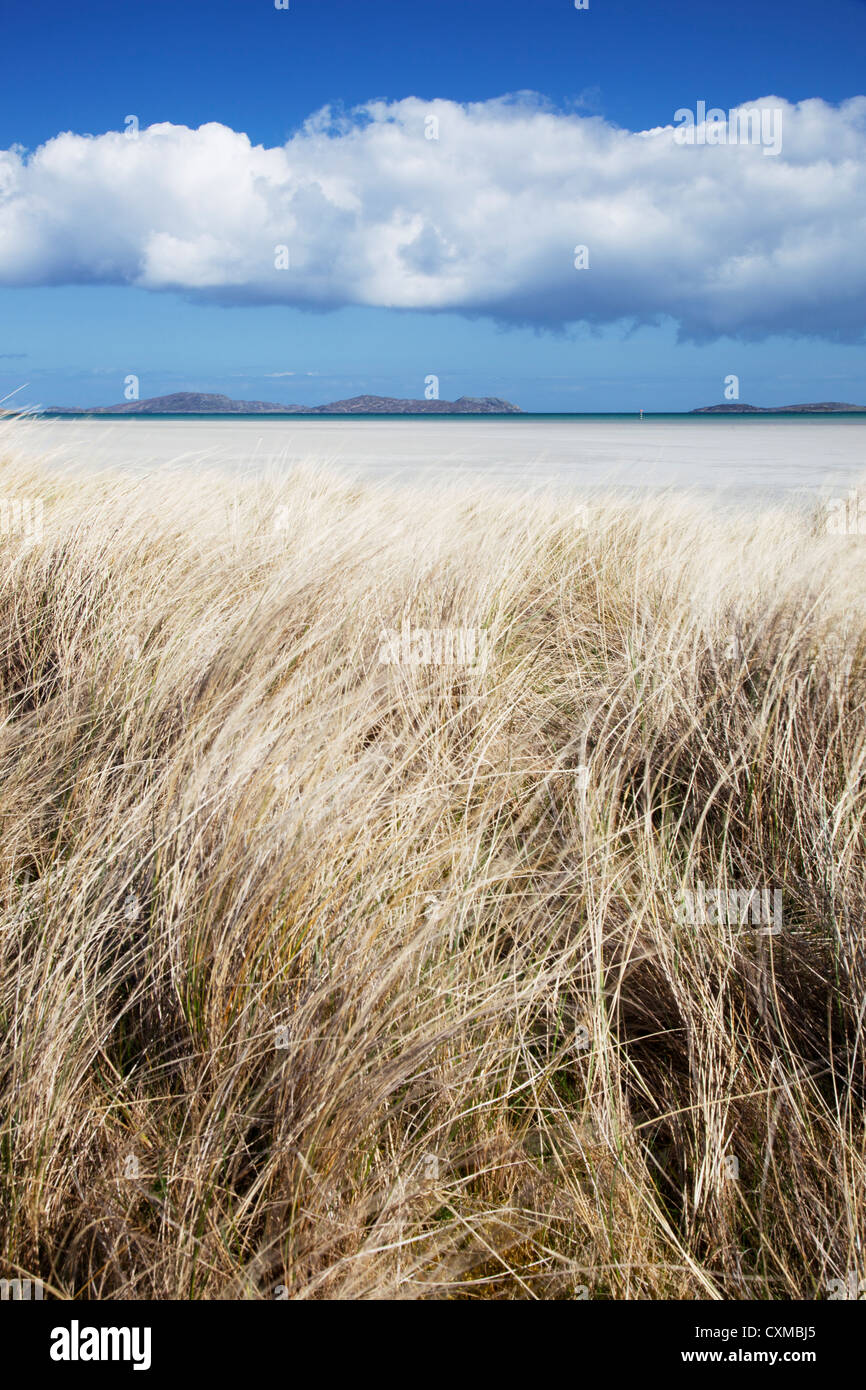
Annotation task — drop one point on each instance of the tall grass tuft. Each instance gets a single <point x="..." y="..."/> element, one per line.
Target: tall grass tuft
<point x="331" y="974"/>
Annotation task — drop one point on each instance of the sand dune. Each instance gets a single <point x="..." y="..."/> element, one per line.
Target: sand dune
<point x="341" y="959"/>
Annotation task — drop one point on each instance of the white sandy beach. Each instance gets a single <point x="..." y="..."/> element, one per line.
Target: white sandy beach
<point x="777" y="457"/>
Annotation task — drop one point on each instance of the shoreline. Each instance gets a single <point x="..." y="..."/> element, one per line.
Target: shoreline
<point x="780" y="457"/>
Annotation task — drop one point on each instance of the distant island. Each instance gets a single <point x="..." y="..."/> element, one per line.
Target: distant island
<point x="735" y="408"/>
<point x="198" y="403"/>
<point x="204" y="403"/>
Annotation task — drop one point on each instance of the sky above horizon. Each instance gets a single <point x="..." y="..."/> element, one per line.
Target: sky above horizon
<point x="335" y="199"/>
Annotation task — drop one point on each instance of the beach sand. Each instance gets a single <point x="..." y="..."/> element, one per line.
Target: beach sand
<point x="778" y="457"/>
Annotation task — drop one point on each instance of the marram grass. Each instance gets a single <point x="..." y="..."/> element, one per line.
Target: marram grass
<point x="326" y="975"/>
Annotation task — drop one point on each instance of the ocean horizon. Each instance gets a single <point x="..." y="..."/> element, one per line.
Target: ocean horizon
<point x="773" y="414"/>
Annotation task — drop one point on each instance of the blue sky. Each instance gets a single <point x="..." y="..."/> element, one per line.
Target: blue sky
<point x="75" y="321"/>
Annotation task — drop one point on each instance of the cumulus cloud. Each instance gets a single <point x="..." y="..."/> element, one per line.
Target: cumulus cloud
<point x="368" y="209"/>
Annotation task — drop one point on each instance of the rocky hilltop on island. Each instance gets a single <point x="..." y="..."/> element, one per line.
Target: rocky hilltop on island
<point x="736" y="408"/>
<point x="201" y="403"/>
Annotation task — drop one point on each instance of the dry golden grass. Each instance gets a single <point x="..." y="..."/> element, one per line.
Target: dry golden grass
<point x="323" y="977"/>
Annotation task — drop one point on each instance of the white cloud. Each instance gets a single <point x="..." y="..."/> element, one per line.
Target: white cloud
<point x="483" y="219"/>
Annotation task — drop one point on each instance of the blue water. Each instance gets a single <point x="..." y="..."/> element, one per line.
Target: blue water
<point x="526" y="415"/>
